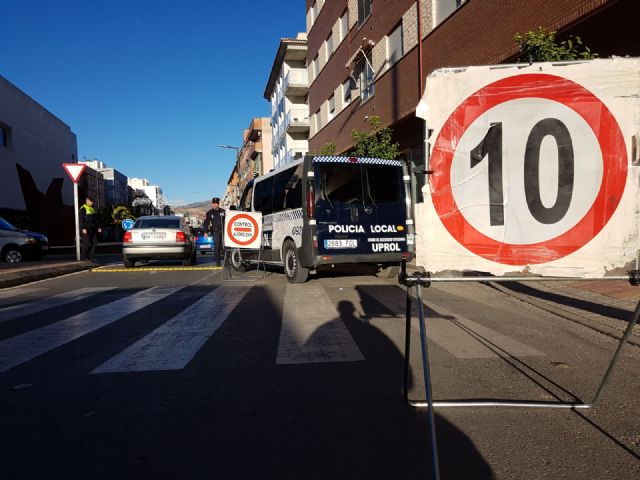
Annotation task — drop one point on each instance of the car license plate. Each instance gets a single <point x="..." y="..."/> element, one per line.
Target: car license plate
<point x="342" y="243"/>
<point x="205" y="245"/>
<point x="153" y="236"/>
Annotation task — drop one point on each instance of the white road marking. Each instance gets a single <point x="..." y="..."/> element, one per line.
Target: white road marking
<point x="27" y="346"/>
<point x="29" y="308"/>
<point x="445" y="331"/>
<point x="312" y="331"/>
<point x="173" y="345"/>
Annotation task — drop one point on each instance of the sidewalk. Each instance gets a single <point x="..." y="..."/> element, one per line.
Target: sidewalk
<point x="14" y="274"/>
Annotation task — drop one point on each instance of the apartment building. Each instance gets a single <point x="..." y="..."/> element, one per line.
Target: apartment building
<point x="287" y="91"/>
<point x="372" y="57"/>
<point x="91" y="183"/>
<point x="254" y="158"/>
<point x="115" y="183"/>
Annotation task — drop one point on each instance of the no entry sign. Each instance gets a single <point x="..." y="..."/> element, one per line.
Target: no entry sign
<point x="243" y="230"/>
<point x="531" y="169"/>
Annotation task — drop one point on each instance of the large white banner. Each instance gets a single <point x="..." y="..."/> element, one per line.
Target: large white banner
<point x="535" y="169"/>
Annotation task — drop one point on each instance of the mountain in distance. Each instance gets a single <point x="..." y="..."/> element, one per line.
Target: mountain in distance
<point x="197" y="209"/>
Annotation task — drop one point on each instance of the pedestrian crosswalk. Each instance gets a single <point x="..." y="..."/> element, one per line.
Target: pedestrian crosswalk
<point x="311" y="327"/>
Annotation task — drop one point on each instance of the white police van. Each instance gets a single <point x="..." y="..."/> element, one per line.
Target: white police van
<point x="320" y="211"/>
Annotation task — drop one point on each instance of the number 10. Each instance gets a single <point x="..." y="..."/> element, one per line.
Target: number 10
<point x="491" y="147"/>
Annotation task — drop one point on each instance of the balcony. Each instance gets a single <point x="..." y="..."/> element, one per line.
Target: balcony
<point x="297" y="120"/>
<point x="296" y="82"/>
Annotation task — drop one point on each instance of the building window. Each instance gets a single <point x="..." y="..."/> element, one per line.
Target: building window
<point x="318" y="121"/>
<point x="314" y="67"/>
<point x="314" y="12"/>
<point x="346" y="91"/>
<point x="394" y="45"/>
<point x="364" y="10"/>
<point x="331" y="106"/>
<point x="344" y="25"/>
<point x="329" y="45"/>
<point x="366" y="77"/>
<point x="5" y="135"/>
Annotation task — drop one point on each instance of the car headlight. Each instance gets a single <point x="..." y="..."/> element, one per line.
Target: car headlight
<point x="32" y="241"/>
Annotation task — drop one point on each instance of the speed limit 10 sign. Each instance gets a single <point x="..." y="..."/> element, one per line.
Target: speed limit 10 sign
<point x="530" y="169"/>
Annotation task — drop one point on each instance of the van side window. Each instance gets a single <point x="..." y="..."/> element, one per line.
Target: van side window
<point x="287" y="189"/>
<point x="263" y="200"/>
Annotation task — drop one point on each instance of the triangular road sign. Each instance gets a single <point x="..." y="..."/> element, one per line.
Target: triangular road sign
<point x="74" y="170"/>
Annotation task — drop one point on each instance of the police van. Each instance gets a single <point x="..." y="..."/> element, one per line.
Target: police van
<point x="321" y="211"/>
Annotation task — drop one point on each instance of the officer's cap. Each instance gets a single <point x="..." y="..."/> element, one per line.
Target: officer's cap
<point x="215" y="200"/>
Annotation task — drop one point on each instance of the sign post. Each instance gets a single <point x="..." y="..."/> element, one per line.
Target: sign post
<point x="75" y="171"/>
<point x="242" y="232"/>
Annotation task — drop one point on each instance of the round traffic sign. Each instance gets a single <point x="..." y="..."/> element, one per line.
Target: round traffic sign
<point x="127" y="224"/>
<point x="528" y="169"/>
<point x="242" y="229"/>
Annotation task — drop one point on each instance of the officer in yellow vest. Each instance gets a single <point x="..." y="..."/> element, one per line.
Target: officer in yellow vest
<point x="89" y="229"/>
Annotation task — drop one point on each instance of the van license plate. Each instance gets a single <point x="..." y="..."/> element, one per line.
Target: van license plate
<point x="346" y="243"/>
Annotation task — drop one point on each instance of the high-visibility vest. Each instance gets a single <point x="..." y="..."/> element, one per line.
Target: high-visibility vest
<point x="88" y="210"/>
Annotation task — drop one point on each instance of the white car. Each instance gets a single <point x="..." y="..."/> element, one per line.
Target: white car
<point x="159" y="238"/>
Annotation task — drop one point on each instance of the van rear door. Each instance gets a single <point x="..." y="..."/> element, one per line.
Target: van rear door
<point x="360" y="206"/>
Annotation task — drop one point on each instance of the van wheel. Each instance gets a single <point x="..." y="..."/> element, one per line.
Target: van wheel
<point x="237" y="263"/>
<point x="295" y="272"/>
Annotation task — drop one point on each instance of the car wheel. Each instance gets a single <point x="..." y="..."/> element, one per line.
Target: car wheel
<point x="129" y="263"/>
<point x="12" y="255"/>
<point x="187" y="262"/>
<point x="294" y="272"/>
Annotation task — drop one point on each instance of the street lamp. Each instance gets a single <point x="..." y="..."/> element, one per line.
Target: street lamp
<point x="237" y="149"/>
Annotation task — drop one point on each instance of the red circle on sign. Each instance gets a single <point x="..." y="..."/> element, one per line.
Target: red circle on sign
<point x="537" y="85"/>
<point x="238" y="217"/>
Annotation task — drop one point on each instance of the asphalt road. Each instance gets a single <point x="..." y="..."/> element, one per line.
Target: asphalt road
<point x="176" y="374"/>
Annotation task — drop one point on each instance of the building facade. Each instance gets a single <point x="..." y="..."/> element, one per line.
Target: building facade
<point x="370" y="58"/>
<point x="91" y="184"/>
<point x="254" y="158"/>
<point x="287" y="89"/>
<point x="35" y="191"/>
<point x="115" y="183"/>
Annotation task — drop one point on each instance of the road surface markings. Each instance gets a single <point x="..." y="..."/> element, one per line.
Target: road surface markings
<point x="312" y="331"/>
<point x="457" y="335"/>
<point x="174" y="344"/>
<point x="151" y="269"/>
<point x="27" y="346"/>
<point x="24" y="309"/>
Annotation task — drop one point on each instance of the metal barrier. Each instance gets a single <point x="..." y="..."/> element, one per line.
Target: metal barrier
<point x="421" y="280"/>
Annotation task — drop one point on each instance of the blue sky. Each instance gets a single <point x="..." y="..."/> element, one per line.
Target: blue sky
<point x="150" y="87"/>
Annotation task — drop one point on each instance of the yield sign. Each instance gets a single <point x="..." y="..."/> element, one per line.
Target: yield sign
<point x="74" y="170"/>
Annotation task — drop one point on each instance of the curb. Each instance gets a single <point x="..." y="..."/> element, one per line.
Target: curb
<point x="560" y="312"/>
<point x="13" y="279"/>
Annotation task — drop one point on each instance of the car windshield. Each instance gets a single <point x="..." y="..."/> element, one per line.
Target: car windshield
<point x="4" y="225"/>
<point x="354" y="183"/>
<point x="157" y="223"/>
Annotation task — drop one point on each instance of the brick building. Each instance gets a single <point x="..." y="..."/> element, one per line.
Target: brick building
<point x="364" y="57"/>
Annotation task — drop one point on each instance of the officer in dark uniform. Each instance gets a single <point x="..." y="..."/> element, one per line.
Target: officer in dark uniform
<point x="213" y="225"/>
<point x="89" y="229"/>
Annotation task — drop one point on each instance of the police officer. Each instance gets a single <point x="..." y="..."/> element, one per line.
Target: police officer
<point x="89" y="229"/>
<point x="213" y="225"/>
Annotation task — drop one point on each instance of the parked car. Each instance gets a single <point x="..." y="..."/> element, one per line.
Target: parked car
<point x="203" y="244"/>
<point x="159" y="238"/>
<point x="16" y="244"/>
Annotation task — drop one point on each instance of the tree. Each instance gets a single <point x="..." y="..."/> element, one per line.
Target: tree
<point x="542" y="46"/>
<point x="375" y="143"/>
<point x="328" y="149"/>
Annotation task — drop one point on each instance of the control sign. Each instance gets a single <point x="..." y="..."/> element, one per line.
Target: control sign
<point x="243" y="230"/>
<point x="127" y="224"/>
<point x="531" y="169"/>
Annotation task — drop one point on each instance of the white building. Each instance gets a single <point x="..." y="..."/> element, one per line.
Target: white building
<point x="138" y="182"/>
<point x="154" y="192"/>
<point x="287" y="91"/>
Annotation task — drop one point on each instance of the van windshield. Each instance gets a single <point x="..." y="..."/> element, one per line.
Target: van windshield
<point x="355" y="183"/>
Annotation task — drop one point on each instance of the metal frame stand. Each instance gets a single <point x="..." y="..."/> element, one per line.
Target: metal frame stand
<point x="228" y="266"/>
<point x="420" y="280"/>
